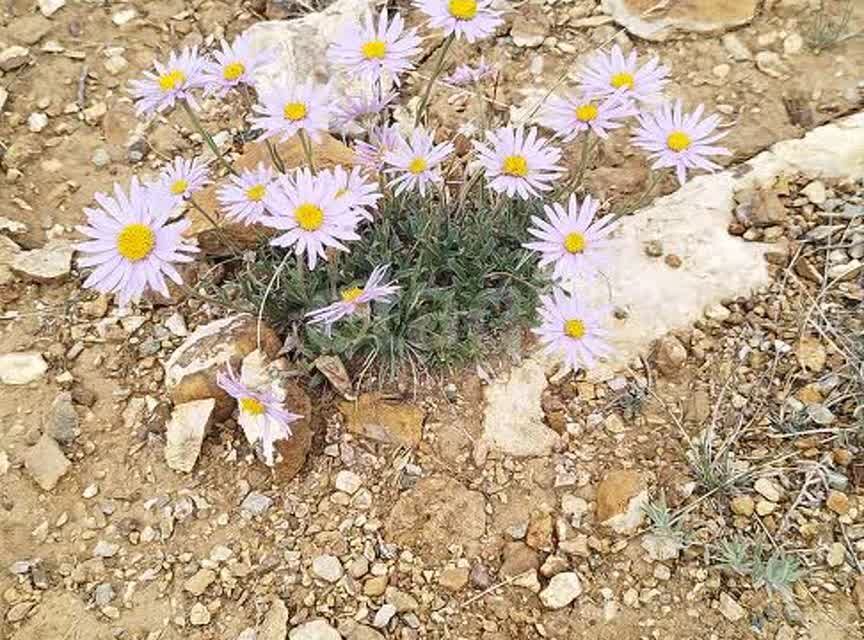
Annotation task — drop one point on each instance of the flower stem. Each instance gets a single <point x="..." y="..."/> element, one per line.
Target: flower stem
<point x="307" y="149"/>
<point x="216" y="226"/>
<point x="274" y="155"/>
<point x="196" y="124"/>
<point x="439" y="66"/>
<point x="267" y="295"/>
<point x="587" y="145"/>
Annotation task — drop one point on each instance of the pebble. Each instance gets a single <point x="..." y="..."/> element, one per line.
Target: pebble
<point x="730" y="608"/>
<point x="562" y="589"/>
<point x="722" y="70"/>
<point x="115" y="65"/>
<point x="743" y="506"/>
<point x="312" y="630"/>
<point x="836" y="555"/>
<point x="199" y="615"/>
<point x="383" y="616"/>
<point x="348" y="482"/>
<point x="764" y="507"/>
<point x="49" y="7"/>
<point x="717" y="312"/>
<point x="185" y="432"/>
<point x="769" y="63"/>
<point x="327" y="567"/>
<point x="736" y="48"/>
<point x="104" y="549"/>
<point x="22" y="367"/>
<point x="100" y="158"/>
<point x="767" y="489"/>
<point x="37" y="121"/>
<point x="63" y="420"/>
<point x="103" y="594"/>
<point x="255" y="503"/>
<point x="815" y="192"/>
<point x="13" y="57"/>
<point x="197" y="584"/>
<point x="792" y="44"/>
<point x="454" y="579"/>
<point x="124" y="16"/>
<point x="46" y="463"/>
<point x="90" y="491"/>
<point x="838" y="502"/>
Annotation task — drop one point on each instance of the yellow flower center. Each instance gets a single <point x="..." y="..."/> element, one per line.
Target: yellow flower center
<point x="171" y="80"/>
<point x="294" y="111"/>
<point x="678" y="141"/>
<point x="233" y="71"/>
<point x="462" y="9"/>
<point x="574" y="242"/>
<point x="136" y="241"/>
<point x="309" y="217"/>
<point x="417" y="165"/>
<point x="251" y="406"/>
<point x="350" y="295"/>
<point x="516" y="166"/>
<point x="178" y="188"/>
<point x="256" y="192"/>
<point x="574" y="329"/>
<point x="623" y="79"/>
<point x="586" y="112"/>
<point x="374" y="50"/>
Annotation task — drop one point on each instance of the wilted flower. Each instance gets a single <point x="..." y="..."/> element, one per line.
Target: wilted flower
<point x="611" y="73"/>
<point x="572" y="329"/>
<point x="676" y="139"/>
<point x="353" y="298"/>
<point x="285" y="111"/>
<point x="131" y="245"/>
<point x="352" y="111"/>
<point x="312" y="215"/>
<point x="571" y="239"/>
<point x="244" y="198"/>
<point x="262" y="416"/>
<point x="172" y="82"/>
<point x="469" y="19"/>
<point x="382" y="140"/>
<point x="357" y="191"/>
<point x="573" y="113"/>
<point x="517" y="163"/>
<point x="234" y="65"/>
<point x="465" y="74"/>
<point x="377" y="51"/>
<point x="416" y="161"/>
<point x="184" y="177"/>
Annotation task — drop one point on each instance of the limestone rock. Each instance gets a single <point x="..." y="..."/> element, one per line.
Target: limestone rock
<point x="190" y="373"/>
<point x="46" y="463"/>
<point x="350" y="630"/>
<point x="198" y="583"/>
<point x="293" y="451"/>
<point x="49" y="7"/>
<point x="454" y="578"/>
<point x="518" y="558"/>
<point x="62" y="424"/>
<point x="185" y="433"/>
<point x="52" y="263"/>
<point x="199" y="615"/>
<point x="437" y="513"/>
<point x="730" y="608"/>
<point x="513" y="420"/>
<point x="275" y="623"/>
<point x="314" y="630"/>
<point x="644" y="19"/>
<point x="528" y="32"/>
<point x="669" y="355"/>
<point x="562" y="589"/>
<point x="22" y="367"/>
<point x="327" y="567"/>
<point x="621" y="496"/>
<point x="374" y="417"/>
<point x="767" y="209"/>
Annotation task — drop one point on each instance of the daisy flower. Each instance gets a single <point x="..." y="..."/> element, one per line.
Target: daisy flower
<point x="371" y="50"/>
<point x="382" y="140"/>
<point x="261" y="415"/>
<point x="572" y="330"/>
<point x="571" y="114"/>
<point x="234" y="65"/>
<point x="469" y="19"/>
<point x="571" y="239"/>
<point x="285" y="111"/>
<point x="361" y="194"/>
<point x="355" y="111"/>
<point x="244" y="198"/>
<point x="517" y="163"/>
<point x="465" y="74"/>
<point x="171" y="82"/>
<point x="131" y="245"/>
<point x="417" y="161"/>
<point x="312" y="215"/>
<point x="611" y="73"/>
<point x="676" y="139"/>
<point x="354" y="298"/>
<point x="184" y="177"/>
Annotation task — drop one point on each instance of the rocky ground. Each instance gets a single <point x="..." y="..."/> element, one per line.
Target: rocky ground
<point x="392" y="516"/>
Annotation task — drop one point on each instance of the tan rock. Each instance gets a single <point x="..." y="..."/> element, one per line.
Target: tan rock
<point x="454" y="578"/>
<point x="328" y="153"/>
<point x="811" y="354"/>
<point x="46" y="463"/>
<point x="659" y="21"/>
<point x="669" y="355"/>
<point x="743" y="506"/>
<point x="616" y="492"/>
<point x="185" y="431"/>
<point x="539" y="535"/>
<point x="518" y="558"/>
<point x="295" y="449"/>
<point x="374" y="417"/>
<point x="190" y="373"/>
<point x="838" y="502"/>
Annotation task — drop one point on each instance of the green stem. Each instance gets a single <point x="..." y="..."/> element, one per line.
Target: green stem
<point x="274" y="155"/>
<point x="196" y="124"/>
<point x="216" y="226"/>
<point x="587" y="144"/>
<point x="267" y="295"/>
<point x="307" y="149"/>
<point x="439" y="66"/>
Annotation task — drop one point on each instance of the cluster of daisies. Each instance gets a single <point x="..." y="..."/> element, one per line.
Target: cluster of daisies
<point x="136" y="238"/>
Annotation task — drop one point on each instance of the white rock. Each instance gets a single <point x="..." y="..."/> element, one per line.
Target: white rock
<point x="815" y="192"/>
<point x="767" y="489"/>
<point x="104" y="549"/>
<point x="49" y="7"/>
<point x="792" y="44"/>
<point x="116" y="65"/>
<point x="4" y="463"/>
<point x="176" y="324"/>
<point x="314" y="630"/>
<point x="46" y="463"/>
<point x="730" y="609"/>
<point x="22" y="367"/>
<point x="275" y="623"/>
<point x="562" y="589"/>
<point x="254" y="504"/>
<point x="384" y="615"/>
<point x="4" y="96"/>
<point x="185" y="433"/>
<point x="736" y="48"/>
<point x="199" y="615"/>
<point x="327" y="568"/>
<point x="52" y="263"/>
<point x="348" y="482"/>
<point x="37" y="121"/>
<point x="701" y="16"/>
<point x="513" y="420"/>
<point x="124" y="16"/>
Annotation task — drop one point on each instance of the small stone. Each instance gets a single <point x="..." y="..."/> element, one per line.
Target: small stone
<point x="836" y="555"/>
<point x="348" y="482"/>
<point x="90" y="491"/>
<point x="730" y="609"/>
<point x="553" y="565"/>
<point x="176" y="324"/>
<point x="50" y="264"/>
<point x="721" y="70"/>
<point x="115" y="65"/>
<point x="736" y="48"/>
<point x="37" y="121"/>
<point x="793" y="44"/>
<point x="621" y="496"/>
<point x="21" y="367"/>
<point x="100" y="158"/>
<point x="374" y="417"/>
<point x="4" y="463"/>
<point x="124" y="16"/>
<point x="767" y="489"/>
<point x="767" y="209"/>
<point x="46" y="463"/>
<point x="453" y="579"/>
<point x="480" y="577"/>
<point x="662" y="572"/>
<point x="528" y="34"/>
<point x="254" y="504"/>
<point x="49" y="7"/>
<point x="185" y="432"/>
<point x="820" y="414"/>
<point x="62" y="424"/>
<point x="838" y="502"/>
<point x="654" y="248"/>
<point x="374" y="587"/>
<point x="529" y="581"/>
<point x="104" y="549"/>
<point x="199" y="615"/>
<point x="383" y="616"/>
<point x="669" y="355"/>
<point x="815" y="192"/>
<point x="769" y="63"/>
<point x="717" y="312"/>
<point x="103" y="594"/>
<point x="13" y="57"/>
<point x="197" y="584"/>
<point x="743" y="506"/>
<point x="765" y="507"/>
<point x="221" y="553"/>
<point x="327" y="567"/>
<point x="314" y="630"/>
<point x="275" y="623"/>
<point x="19" y="611"/>
<point x="562" y="589"/>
